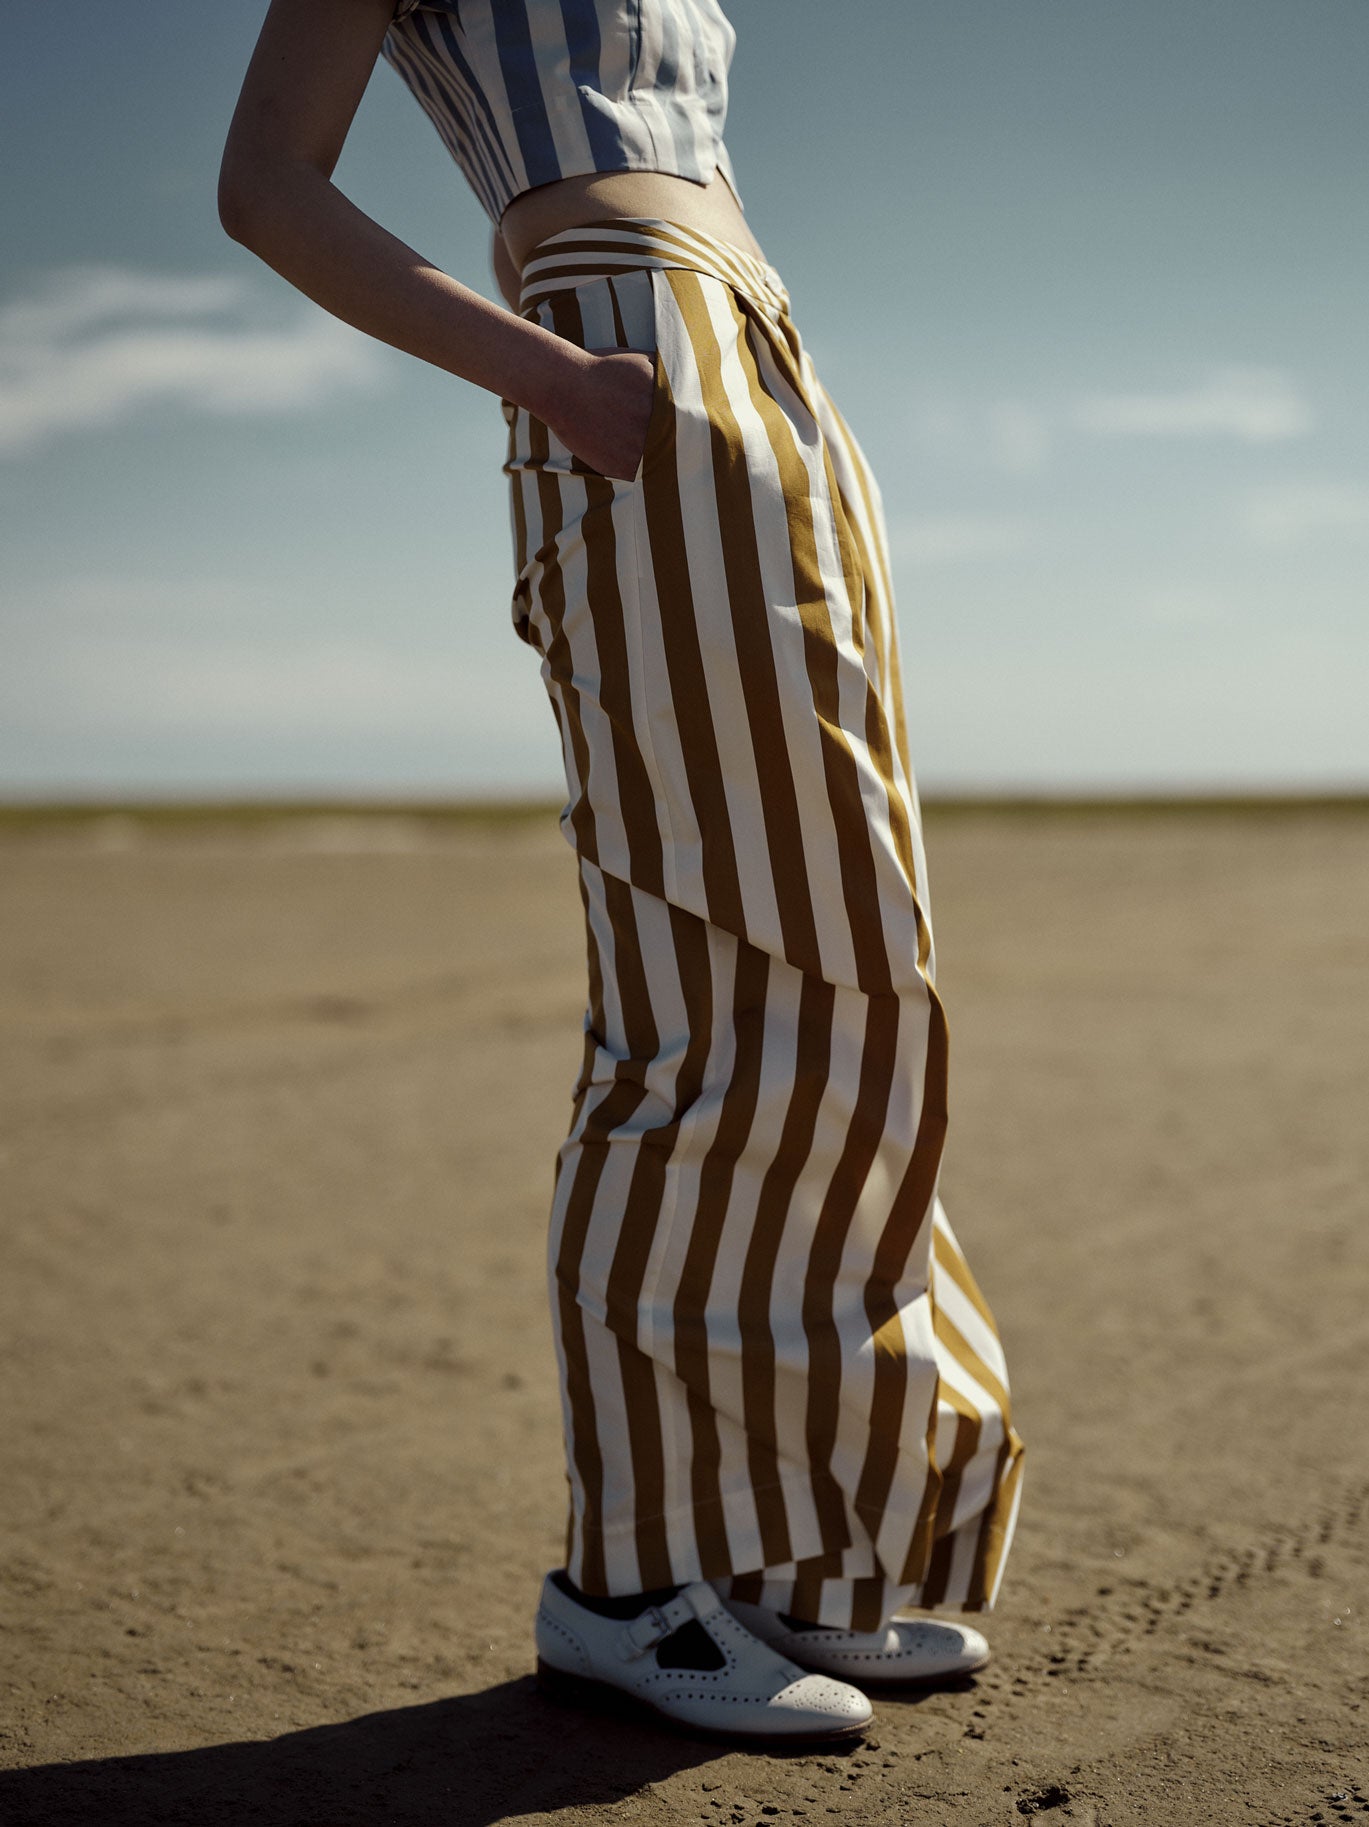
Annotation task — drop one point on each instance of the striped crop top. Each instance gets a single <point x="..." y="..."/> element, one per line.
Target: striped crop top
<point x="527" y="91"/>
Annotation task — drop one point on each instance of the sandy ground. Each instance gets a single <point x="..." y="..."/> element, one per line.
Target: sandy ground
<point x="282" y="1453"/>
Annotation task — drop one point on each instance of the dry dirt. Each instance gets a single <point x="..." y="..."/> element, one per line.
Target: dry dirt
<point x="281" y="1442"/>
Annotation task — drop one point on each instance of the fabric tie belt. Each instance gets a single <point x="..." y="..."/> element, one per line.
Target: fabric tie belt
<point x="598" y="250"/>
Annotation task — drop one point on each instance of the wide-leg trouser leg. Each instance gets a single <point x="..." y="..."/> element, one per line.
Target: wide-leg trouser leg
<point x="777" y="1371"/>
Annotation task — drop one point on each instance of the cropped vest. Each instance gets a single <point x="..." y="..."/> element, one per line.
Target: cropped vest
<point x="527" y="91"/>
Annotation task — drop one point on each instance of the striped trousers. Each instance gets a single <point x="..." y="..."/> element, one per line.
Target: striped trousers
<point x="777" y="1371"/>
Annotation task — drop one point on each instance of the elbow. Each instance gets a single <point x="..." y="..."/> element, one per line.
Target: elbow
<point x="233" y="219"/>
<point x="237" y="196"/>
<point x="250" y="183"/>
<point x="257" y="192"/>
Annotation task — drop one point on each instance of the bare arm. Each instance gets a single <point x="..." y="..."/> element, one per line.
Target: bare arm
<point x="302" y="89"/>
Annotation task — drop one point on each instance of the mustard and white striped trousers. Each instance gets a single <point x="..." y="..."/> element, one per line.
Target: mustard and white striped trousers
<point x="778" y="1373"/>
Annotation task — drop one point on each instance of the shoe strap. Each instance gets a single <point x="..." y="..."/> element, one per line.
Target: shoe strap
<point x="654" y="1626"/>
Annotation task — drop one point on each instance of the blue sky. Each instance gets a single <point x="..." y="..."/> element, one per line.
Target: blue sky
<point x="1088" y="280"/>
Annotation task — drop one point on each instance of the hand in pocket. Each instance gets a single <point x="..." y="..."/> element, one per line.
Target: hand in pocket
<point x="606" y="424"/>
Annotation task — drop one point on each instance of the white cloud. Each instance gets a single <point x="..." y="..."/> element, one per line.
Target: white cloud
<point x="1293" y="513"/>
<point x="1017" y="437"/>
<point x="934" y="539"/>
<point x="1010" y="435"/>
<point x="95" y="344"/>
<point x="1254" y="405"/>
<point x="92" y="297"/>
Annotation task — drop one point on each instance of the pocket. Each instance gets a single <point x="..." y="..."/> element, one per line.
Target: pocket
<point x="659" y="399"/>
<point x="619" y="314"/>
<point x="624" y="312"/>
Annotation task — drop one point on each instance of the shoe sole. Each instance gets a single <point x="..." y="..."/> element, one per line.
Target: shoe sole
<point x="881" y="1683"/>
<point x="603" y="1697"/>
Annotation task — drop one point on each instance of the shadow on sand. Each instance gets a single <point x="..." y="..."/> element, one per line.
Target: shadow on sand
<point x="464" y="1762"/>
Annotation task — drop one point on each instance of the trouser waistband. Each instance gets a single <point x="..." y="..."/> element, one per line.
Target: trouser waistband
<point x="624" y="244"/>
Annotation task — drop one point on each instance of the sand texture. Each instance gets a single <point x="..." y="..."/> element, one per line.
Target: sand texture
<point x="281" y="1443"/>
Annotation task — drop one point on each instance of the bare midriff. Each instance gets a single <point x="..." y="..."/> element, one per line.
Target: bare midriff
<point x="601" y="195"/>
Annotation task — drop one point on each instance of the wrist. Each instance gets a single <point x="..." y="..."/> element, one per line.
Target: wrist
<point x="556" y="378"/>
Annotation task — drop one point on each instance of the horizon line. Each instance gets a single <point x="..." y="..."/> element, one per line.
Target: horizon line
<point x="185" y="808"/>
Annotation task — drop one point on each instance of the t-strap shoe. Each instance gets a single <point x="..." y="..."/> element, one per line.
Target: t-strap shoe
<point x="907" y="1652"/>
<point x="688" y="1662"/>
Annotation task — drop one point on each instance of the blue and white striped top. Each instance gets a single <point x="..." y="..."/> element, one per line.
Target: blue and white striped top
<point x="527" y="91"/>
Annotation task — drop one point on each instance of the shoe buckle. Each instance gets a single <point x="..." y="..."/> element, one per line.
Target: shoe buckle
<point x="643" y="1633"/>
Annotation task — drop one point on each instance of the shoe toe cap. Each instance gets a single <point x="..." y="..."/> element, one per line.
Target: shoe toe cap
<point x="818" y="1700"/>
<point x="948" y="1646"/>
<point x="976" y="1645"/>
<point x="964" y="1645"/>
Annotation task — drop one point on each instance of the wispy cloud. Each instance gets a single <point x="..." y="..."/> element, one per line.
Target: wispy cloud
<point x="938" y="539"/>
<point x="1010" y="435"/>
<point x="1293" y="513"/>
<point x="93" y="345"/>
<point x="1253" y="405"/>
<point x="1019" y="437"/>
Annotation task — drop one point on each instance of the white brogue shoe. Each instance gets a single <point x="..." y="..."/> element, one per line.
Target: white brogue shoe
<point x="907" y="1652"/>
<point x="749" y="1692"/>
